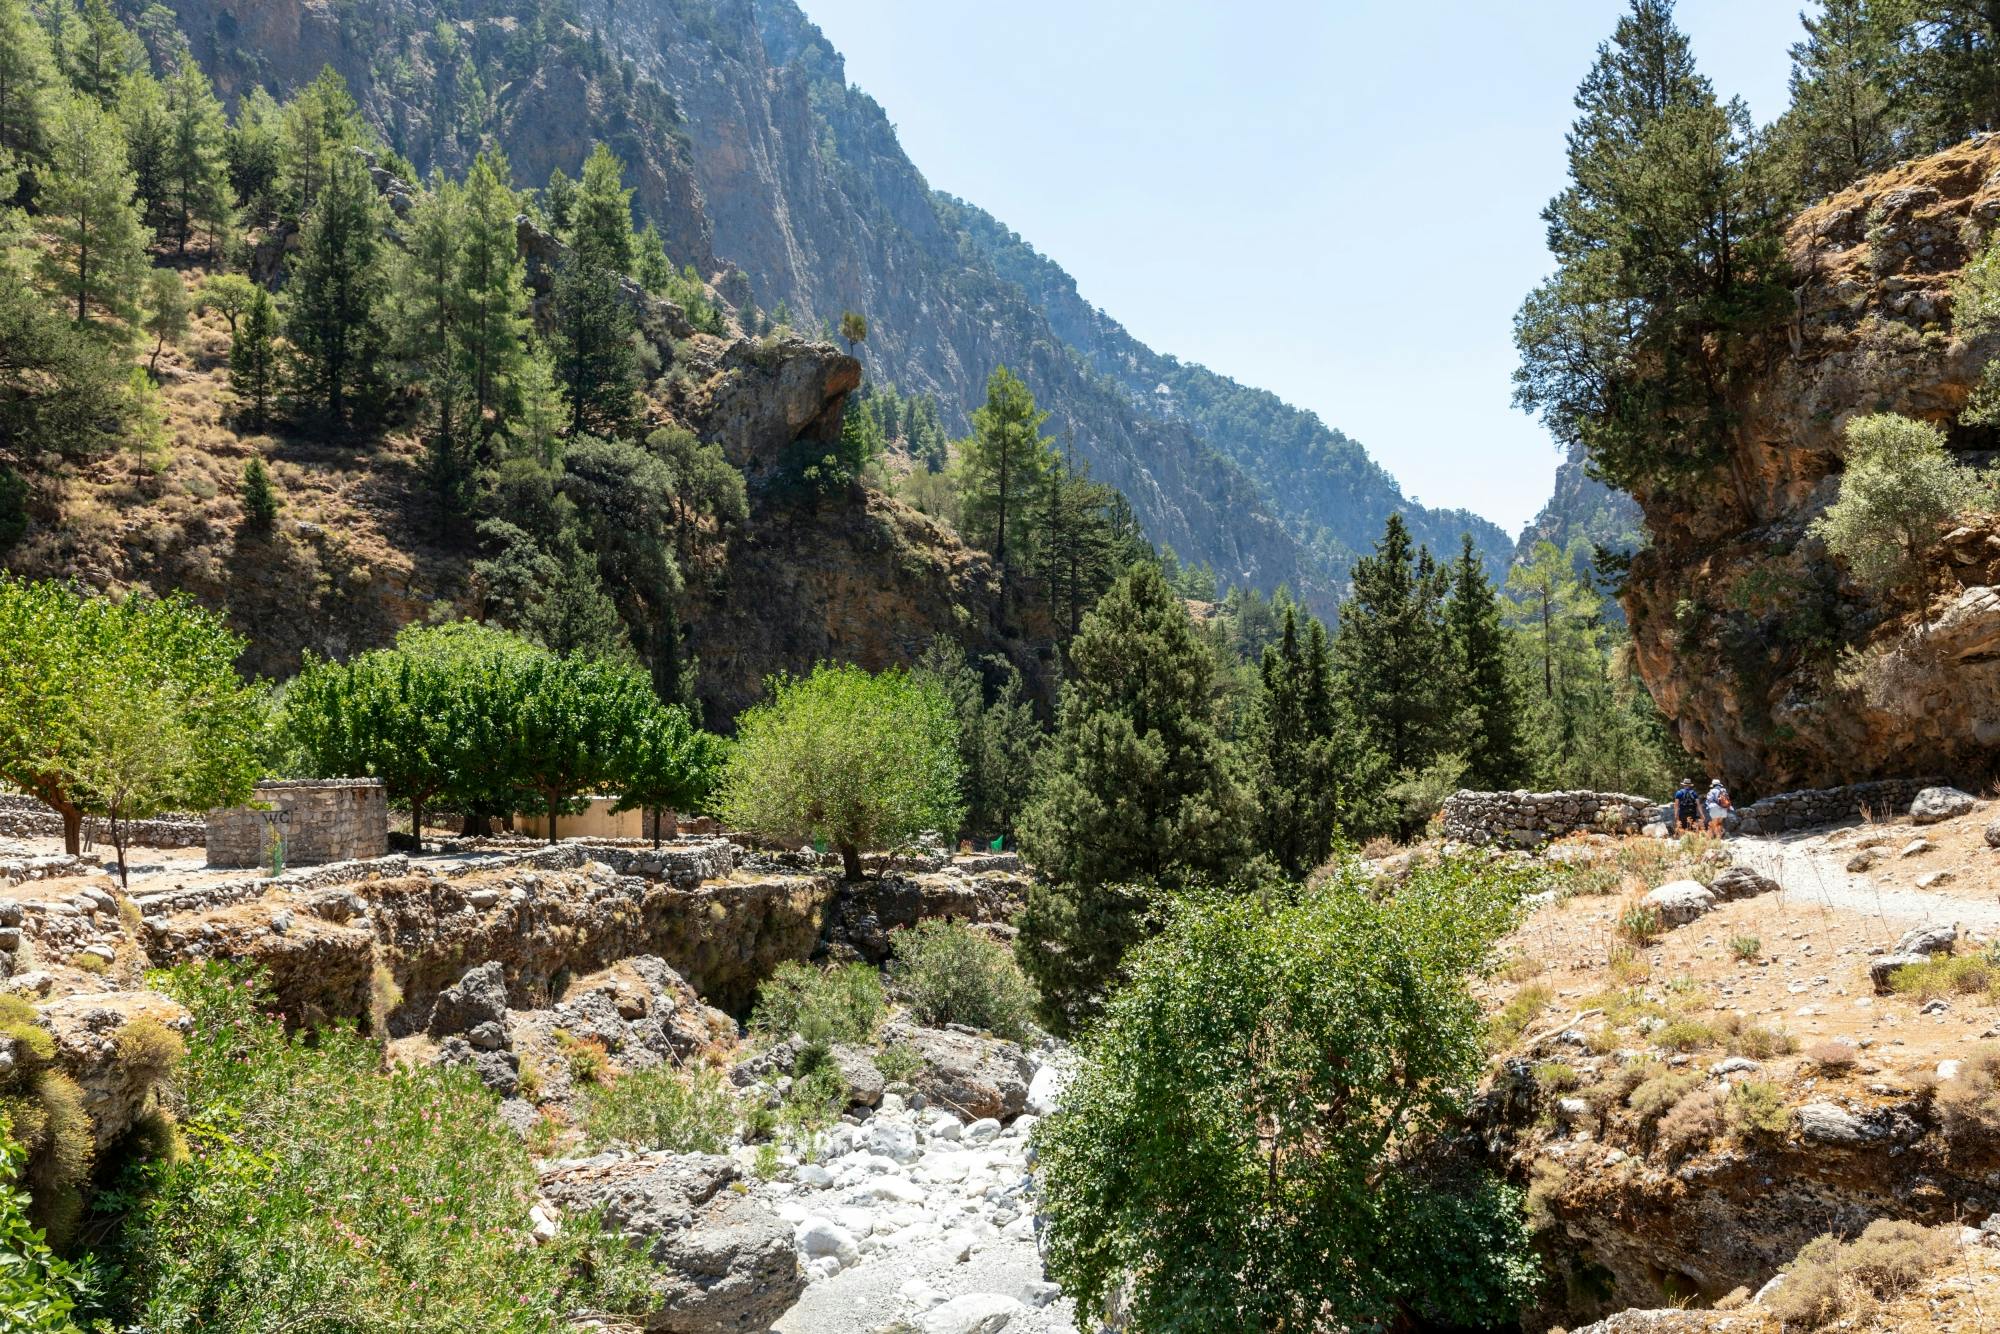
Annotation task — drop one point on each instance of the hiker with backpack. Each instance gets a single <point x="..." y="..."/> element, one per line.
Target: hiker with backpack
<point x="1687" y="807"/>
<point x="1719" y="805"/>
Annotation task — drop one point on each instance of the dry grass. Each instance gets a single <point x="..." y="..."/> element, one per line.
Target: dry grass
<point x="1969" y="1105"/>
<point x="1833" y="1280"/>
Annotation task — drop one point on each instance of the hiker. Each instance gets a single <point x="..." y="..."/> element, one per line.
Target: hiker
<point x="1719" y="806"/>
<point x="1687" y="807"/>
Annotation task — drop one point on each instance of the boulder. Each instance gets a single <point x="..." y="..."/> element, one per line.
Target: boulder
<point x="1045" y="1090"/>
<point x="498" y="1070"/>
<point x="725" y="1262"/>
<point x="969" y="1075"/>
<point x="479" y="997"/>
<point x="1928" y="940"/>
<point x="1993" y="834"/>
<point x="858" y="1073"/>
<point x="1941" y="803"/>
<point x="1740" y="882"/>
<point x="1882" y="969"/>
<point x="1827" y="1123"/>
<point x="1681" y="901"/>
<point x="974" y="1313"/>
<point x="1863" y="859"/>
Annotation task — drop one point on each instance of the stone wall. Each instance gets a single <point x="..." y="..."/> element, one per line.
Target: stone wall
<point x="1826" y="805"/>
<point x="1529" y="819"/>
<point x="315" y="820"/>
<point x="24" y="817"/>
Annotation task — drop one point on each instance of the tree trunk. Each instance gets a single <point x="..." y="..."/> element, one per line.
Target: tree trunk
<point x="554" y="801"/>
<point x="850" y="860"/>
<point x="657" y="815"/>
<point x="417" y="823"/>
<point x="72" y="819"/>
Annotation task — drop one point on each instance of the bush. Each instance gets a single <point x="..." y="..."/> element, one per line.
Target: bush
<point x="949" y="973"/>
<point x="1746" y="948"/>
<point x="1757" y="1110"/>
<point x="1835" y="1055"/>
<point x="1505" y="1027"/>
<point x="38" y="1292"/>
<point x="1685" y="1035"/>
<point x="1659" y="1092"/>
<point x="44" y="1108"/>
<point x="149" y="1050"/>
<point x="1947" y="975"/>
<point x="1556" y="1077"/>
<point x="587" y="1058"/>
<point x="319" y="1183"/>
<point x="1247" y="1105"/>
<point x="1829" y="1281"/>
<point x="821" y="1005"/>
<point x="1756" y="1041"/>
<point x="1691" y="1124"/>
<point x="1641" y="924"/>
<point x="898" y="1062"/>
<point x="1969" y="1106"/>
<point x="662" y="1108"/>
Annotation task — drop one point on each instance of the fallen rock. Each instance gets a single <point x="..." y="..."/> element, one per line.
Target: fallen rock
<point x="858" y="1073"/>
<point x="1681" y="901"/>
<point x="479" y="997"/>
<point x="974" y="1313"/>
<point x="1927" y="940"/>
<point x="969" y="1075"/>
<point x="726" y="1262"/>
<point x="1993" y="834"/>
<point x="1825" y="1123"/>
<point x="1882" y="969"/>
<point x="1740" y="882"/>
<point x="1045" y="1090"/>
<point x="1863" y="859"/>
<point x="1941" y="803"/>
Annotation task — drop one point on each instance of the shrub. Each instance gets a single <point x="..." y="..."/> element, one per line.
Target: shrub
<point x="1545" y="1182"/>
<point x="38" y="1291"/>
<point x="587" y="1059"/>
<point x="1661" y="1089"/>
<point x="1556" y="1077"/>
<point x="1640" y="924"/>
<point x="822" y="1005"/>
<point x="1834" y="1055"/>
<point x="317" y="1182"/>
<point x="1829" y="1281"/>
<point x="898" y="1062"/>
<point x="1504" y="1028"/>
<point x="1756" y="1041"/>
<point x="1685" y="1034"/>
<point x="662" y="1108"/>
<point x="1746" y="948"/>
<point x="1756" y="1109"/>
<point x="950" y="974"/>
<point x="1970" y="1104"/>
<point x="1339" y="1024"/>
<point x="1947" y="975"/>
<point x="148" y="1049"/>
<point x="1691" y="1124"/>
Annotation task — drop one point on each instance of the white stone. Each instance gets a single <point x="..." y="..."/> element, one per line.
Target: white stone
<point x="812" y="1174"/>
<point x="893" y="1140"/>
<point x="942" y="1125"/>
<point x="985" y="1128"/>
<point x="1947" y="1070"/>
<point x="893" y="1189"/>
<point x="920" y="1296"/>
<point x="822" y="1237"/>
<point x="974" y="1313"/>
<point x="1045" y="1090"/>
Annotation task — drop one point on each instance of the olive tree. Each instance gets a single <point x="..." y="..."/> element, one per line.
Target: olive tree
<point x="1241" y="1147"/>
<point x="859" y="760"/>
<point x="1900" y="486"/>
<point x="122" y="708"/>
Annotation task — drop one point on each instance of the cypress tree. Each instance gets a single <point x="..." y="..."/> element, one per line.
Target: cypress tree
<point x="1135" y="794"/>
<point x="1493" y="752"/>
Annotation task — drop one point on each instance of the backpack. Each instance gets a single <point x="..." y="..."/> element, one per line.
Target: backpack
<point x="1687" y="801"/>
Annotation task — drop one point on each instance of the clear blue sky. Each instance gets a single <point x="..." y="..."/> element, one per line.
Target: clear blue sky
<point x="1335" y="200"/>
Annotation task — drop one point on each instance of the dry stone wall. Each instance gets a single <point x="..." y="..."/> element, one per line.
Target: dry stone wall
<point x="314" y="821"/>
<point x="1813" y="806"/>
<point x="24" y="817"/>
<point x="1529" y="819"/>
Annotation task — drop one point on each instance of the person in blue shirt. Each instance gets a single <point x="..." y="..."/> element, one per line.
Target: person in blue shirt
<point x="1687" y="807"/>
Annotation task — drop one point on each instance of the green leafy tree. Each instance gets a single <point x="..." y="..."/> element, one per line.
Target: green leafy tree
<point x="1900" y="486"/>
<point x="1005" y="462"/>
<point x="333" y="324"/>
<point x="1234" y="1152"/>
<point x="669" y="764"/>
<point x="229" y="294"/>
<point x="1492" y="738"/>
<point x="253" y="357"/>
<point x="1315" y="776"/>
<point x="166" y="312"/>
<point x="95" y="253"/>
<point x="64" y="653"/>
<point x="571" y="721"/>
<point x="858" y="760"/>
<point x="1136" y="793"/>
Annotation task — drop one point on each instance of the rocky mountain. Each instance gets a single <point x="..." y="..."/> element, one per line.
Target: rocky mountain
<point x="1775" y="667"/>
<point x="762" y="166"/>
<point x="1580" y="506"/>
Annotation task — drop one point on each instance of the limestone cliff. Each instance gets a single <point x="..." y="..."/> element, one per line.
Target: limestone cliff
<point x="1747" y="631"/>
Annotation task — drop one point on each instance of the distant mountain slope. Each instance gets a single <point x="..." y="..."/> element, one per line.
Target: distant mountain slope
<point x="1580" y="506"/>
<point x="749" y="147"/>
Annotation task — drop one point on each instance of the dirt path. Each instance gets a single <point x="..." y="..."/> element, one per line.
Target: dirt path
<point x="1814" y="874"/>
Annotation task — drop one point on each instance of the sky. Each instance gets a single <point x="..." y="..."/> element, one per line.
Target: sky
<point x="1336" y="200"/>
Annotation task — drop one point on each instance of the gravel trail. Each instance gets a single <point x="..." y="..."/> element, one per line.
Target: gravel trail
<point x="1814" y="874"/>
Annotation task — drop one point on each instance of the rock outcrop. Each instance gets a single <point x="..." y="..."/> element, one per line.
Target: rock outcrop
<point x="1740" y="617"/>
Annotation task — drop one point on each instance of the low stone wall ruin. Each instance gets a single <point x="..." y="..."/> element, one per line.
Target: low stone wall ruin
<point x="315" y="821"/>
<point x="25" y="817"/>
<point x="1529" y="819"/>
<point x="1813" y="806"/>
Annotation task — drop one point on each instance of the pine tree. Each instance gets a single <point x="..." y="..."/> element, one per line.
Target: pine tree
<point x="853" y="329"/>
<point x="1492" y="736"/>
<point x="493" y="326"/>
<point x="424" y="317"/>
<point x="253" y="357"/>
<point x="27" y="84"/>
<point x="142" y="115"/>
<point x="1005" y="461"/>
<point x="601" y="225"/>
<point x="254" y="150"/>
<point x="321" y="128"/>
<point x="96" y="253"/>
<point x="1394" y="663"/>
<point x="650" y="266"/>
<point x="593" y="345"/>
<point x="260" y="499"/>
<point x="1136" y="793"/>
<point x="1952" y="68"/>
<point x="559" y="203"/>
<point x="197" y="188"/>
<point x="1082" y="544"/>
<point x="1840" y="126"/>
<point x="1560" y="615"/>
<point x="98" y="53"/>
<point x="333" y="316"/>
<point x="1315" y="776"/>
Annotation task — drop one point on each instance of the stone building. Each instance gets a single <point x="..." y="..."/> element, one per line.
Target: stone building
<point x="308" y="821"/>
